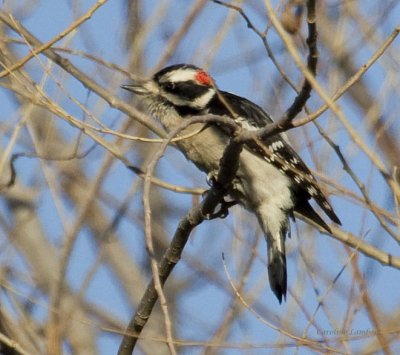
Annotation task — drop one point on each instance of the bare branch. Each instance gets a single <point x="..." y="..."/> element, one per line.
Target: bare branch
<point x="228" y="167"/>
<point x="82" y="77"/>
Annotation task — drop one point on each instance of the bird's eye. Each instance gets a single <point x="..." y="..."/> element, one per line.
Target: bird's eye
<point x="169" y="87"/>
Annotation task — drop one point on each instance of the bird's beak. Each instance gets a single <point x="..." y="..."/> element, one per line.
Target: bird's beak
<point x="138" y="89"/>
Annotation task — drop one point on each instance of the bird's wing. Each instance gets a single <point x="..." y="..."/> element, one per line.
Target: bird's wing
<point x="274" y="150"/>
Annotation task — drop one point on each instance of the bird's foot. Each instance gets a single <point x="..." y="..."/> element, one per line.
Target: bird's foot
<point x="212" y="178"/>
<point x="222" y="209"/>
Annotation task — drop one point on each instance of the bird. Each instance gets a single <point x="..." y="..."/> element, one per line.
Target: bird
<point x="272" y="181"/>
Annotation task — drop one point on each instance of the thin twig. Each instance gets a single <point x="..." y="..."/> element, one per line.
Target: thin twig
<point x="360" y="185"/>
<point x="263" y="37"/>
<point x="83" y="78"/>
<point x="371" y="309"/>
<point x="313" y="344"/>
<point x="312" y="61"/>
<point x="354" y="79"/>
<point x="322" y="298"/>
<point x="13" y="347"/>
<point x="331" y="103"/>
<point x="174" y="41"/>
<point x="350" y="239"/>
<point x="57" y="38"/>
<point x="158" y="284"/>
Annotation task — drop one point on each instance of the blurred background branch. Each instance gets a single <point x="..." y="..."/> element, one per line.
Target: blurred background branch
<point x="73" y="258"/>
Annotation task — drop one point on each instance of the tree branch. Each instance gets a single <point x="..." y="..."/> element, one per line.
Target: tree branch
<point x="65" y="64"/>
<point x="229" y="164"/>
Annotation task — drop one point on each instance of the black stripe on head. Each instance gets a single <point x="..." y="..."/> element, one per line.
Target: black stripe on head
<point x="187" y="90"/>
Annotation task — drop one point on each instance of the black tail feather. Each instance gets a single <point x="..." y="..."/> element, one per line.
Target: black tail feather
<point x="332" y="216"/>
<point x="306" y="210"/>
<point x="277" y="274"/>
<point x="327" y="208"/>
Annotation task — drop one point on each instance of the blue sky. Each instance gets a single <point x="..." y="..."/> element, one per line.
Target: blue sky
<point x="239" y="64"/>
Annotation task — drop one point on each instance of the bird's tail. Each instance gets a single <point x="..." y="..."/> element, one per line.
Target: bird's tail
<point x="275" y="238"/>
<point x="277" y="265"/>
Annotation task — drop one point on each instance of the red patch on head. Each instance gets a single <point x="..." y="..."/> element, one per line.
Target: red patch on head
<point x="203" y="78"/>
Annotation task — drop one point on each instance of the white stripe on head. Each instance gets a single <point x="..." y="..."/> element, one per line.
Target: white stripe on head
<point x="179" y="75"/>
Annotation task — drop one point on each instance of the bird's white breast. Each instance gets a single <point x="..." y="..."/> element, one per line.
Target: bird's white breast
<point x="259" y="185"/>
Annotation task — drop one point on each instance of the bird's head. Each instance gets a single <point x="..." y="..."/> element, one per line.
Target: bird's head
<point x="181" y="85"/>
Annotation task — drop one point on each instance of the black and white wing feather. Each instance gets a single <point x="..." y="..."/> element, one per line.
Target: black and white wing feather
<point x="277" y="151"/>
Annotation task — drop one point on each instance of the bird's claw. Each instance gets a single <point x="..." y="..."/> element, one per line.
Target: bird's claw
<point x="212" y="178"/>
<point x="223" y="210"/>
